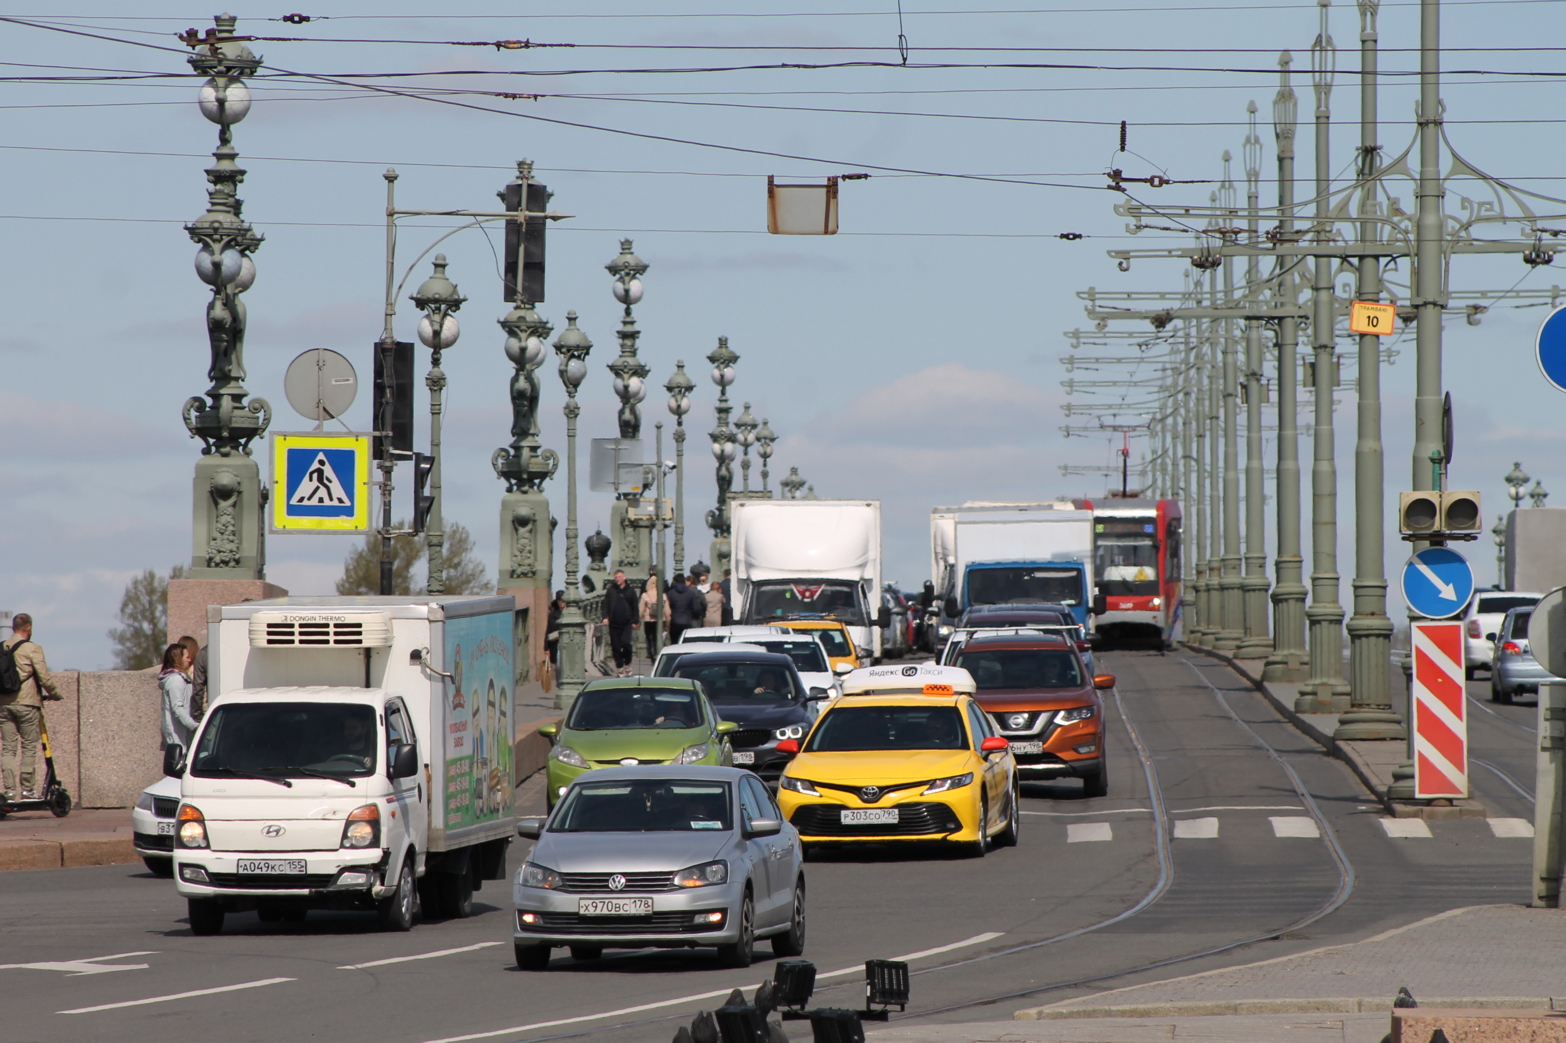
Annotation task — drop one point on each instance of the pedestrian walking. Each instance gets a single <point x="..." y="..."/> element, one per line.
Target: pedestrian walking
<point x="728" y="597"/>
<point x="552" y="628"/>
<point x="687" y="607"/>
<point x="179" y="726"/>
<point x="649" y="613"/>
<point x="620" y="615"/>
<point x="24" y="685"/>
<point x="198" y="676"/>
<point x="715" y="605"/>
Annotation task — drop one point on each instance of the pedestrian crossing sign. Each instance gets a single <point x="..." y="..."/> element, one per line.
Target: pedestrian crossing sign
<point x="320" y="483"/>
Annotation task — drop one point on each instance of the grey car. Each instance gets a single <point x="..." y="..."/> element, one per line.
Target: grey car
<point x="1514" y="669"/>
<point x="660" y="857"/>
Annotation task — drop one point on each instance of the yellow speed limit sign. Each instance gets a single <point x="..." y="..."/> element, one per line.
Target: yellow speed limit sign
<point x="1368" y="317"/>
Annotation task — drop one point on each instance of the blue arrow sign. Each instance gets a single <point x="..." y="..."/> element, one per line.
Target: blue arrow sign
<point x="1551" y="348"/>
<point x="1437" y="582"/>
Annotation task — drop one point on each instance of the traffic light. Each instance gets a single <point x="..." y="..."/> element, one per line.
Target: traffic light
<point x="422" y="500"/>
<point x="1460" y="511"/>
<point x="394" y="415"/>
<point x="526" y="237"/>
<point x="1438" y="514"/>
<point x="1419" y="513"/>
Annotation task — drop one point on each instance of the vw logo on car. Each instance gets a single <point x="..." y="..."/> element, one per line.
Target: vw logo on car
<point x="617" y="882"/>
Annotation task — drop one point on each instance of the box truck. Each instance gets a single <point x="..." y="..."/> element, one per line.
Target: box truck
<point x="810" y="558"/>
<point x="356" y="754"/>
<point x="1017" y="553"/>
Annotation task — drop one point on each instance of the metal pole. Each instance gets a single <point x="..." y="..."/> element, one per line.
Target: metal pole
<point x="1231" y="605"/>
<point x="1215" y="617"/>
<point x="1287" y="662"/>
<point x="679" y="494"/>
<point x="1547" y="825"/>
<point x="572" y="347"/>
<point x="388" y="392"/>
<point x="1195" y="436"/>
<point x="1325" y="691"/>
<point x="1370" y="631"/>
<point x="1256" y="644"/>
<point x="662" y="582"/>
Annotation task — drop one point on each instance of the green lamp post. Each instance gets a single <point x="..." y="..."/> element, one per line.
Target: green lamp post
<point x="572" y="347"/>
<point x="437" y="297"/>
<point x="679" y="388"/>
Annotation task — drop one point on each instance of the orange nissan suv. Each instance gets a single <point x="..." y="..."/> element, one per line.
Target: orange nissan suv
<point x="1036" y="689"/>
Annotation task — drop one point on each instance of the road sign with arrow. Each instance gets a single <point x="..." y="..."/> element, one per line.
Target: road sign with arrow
<point x="1437" y="582"/>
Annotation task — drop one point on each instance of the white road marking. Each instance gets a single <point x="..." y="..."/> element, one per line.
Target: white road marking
<point x="1406" y="827"/>
<point x="1511" y="827"/>
<point x="1295" y="826"/>
<point x="978" y="939"/>
<point x="1100" y="811"/>
<point x="76" y="968"/>
<point x="418" y="956"/>
<point x="1087" y="832"/>
<point x="1238" y="807"/>
<point x="1196" y="829"/>
<point x="177" y="996"/>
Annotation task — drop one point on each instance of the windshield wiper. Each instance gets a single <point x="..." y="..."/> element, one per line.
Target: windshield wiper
<point x="251" y="775"/>
<point x="318" y="774"/>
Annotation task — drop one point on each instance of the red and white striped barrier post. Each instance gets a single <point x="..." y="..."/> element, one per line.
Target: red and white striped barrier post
<point x="1439" y="711"/>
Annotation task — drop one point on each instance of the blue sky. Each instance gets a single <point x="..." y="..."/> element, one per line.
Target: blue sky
<point x="914" y="357"/>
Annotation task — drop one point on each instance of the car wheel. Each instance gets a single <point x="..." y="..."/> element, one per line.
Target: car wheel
<point x="206" y="916"/>
<point x="981" y="847"/>
<point x="586" y="952"/>
<point x="1010" y="835"/>
<point x="1097" y="784"/>
<point x="792" y="941"/>
<point x="159" y="866"/>
<point x="396" y="912"/>
<point x="531" y="957"/>
<point x="743" y="951"/>
<point x="1495" y="691"/>
<point x="1503" y="696"/>
<point x="457" y="899"/>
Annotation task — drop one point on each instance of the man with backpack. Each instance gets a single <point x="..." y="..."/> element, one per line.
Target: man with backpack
<point x="24" y="685"/>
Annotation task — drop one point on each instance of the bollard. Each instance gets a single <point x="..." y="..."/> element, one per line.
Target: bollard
<point x="1547" y="825"/>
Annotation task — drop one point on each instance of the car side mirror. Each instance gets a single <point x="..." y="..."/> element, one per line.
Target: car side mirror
<point x="842" y="668"/>
<point x="405" y="761"/>
<point x="530" y="827"/>
<point x="1104" y="681"/>
<point x="174" y="761"/>
<point x="764" y="827"/>
<point x="549" y="731"/>
<point x="1083" y="646"/>
<point x="884" y="618"/>
<point x="1489" y="637"/>
<point x="952" y="608"/>
<point x="818" y="694"/>
<point x="994" y="744"/>
<point x="725" y="727"/>
<point x="788" y="746"/>
<point x="1100" y="605"/>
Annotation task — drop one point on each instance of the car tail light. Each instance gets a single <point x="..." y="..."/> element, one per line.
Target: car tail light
<point x="1511" y="648"/>
<point x="1473" y="628"/>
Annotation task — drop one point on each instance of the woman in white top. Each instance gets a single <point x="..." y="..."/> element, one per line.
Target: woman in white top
<point x="179" y="725"/>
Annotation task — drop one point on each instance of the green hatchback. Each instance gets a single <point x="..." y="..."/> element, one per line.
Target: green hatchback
<point x="635" y="720"/>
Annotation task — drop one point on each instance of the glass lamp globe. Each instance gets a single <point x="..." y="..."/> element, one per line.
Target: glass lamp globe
<point x="224" y="106"/>
<point x="449" y="332"/>
<point x="678" y="405"/>
<point x="215" y="273"/>
<point x="575" y="372"/>
<point x="628" y="293"/>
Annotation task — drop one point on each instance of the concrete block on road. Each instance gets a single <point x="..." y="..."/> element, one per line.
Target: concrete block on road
<point x="1417" y="1025"/>
<point x="121" y="738"/>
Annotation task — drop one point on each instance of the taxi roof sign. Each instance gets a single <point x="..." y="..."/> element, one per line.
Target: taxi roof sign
<point x="909" y="679"/>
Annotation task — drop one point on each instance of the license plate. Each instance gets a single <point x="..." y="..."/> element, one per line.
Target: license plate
<point x="1027" y="747"/>
<point x="165" y="829"/>
<point x="869" y="817"/>
<point x="270" y="867"/>
<point x="614" y="906"/>
<point x="744" y="757"/>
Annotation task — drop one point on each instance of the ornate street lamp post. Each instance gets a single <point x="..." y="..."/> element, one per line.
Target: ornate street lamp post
<point x="437" y="297"/>
<point x="745" y="434"/>
<point x="1537" y="494"/>
<point x="227" y="534"/>
<point x="679" y="388"/>
<point x="723" y="450"/>
<point x="792" y="484"/>
<point x="1499" y="532"/>
<point x="572" y="347"/>
<point x="765" y="438"/>
<point x="1518" y="480"/>
<point x="633" y="535"/>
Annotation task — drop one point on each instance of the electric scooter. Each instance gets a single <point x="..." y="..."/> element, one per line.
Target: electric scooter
<point x="56" y="798"/>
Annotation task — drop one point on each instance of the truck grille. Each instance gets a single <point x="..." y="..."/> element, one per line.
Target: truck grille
<point x="309" y="881"/>
<point x="626" y="926"/>
<point x="822" y="820"/>
<point x="320" y="630"/>
<point x="598" y="883"/>
<point x="749" y="738"/>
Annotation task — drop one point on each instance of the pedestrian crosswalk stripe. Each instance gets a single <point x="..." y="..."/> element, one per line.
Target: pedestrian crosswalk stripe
<point x="1085" y="832"/>
<point x="1294" y="826"/>
<point x="1511" y="827"/>
<point x="1406" y="827"/>
<point x="1196" y="829"/>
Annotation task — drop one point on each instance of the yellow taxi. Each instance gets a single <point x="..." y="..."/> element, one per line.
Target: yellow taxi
<point x="905" y="754"/>
<point x="833" y="635"/>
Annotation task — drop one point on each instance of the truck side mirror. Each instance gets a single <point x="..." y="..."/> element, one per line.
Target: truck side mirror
<point x="952" y="608"/>
<point x="174" y="761"/>
<point x="884" y="618"/>
<point x="1100" y="605"/>
<point x="405" y="761"/>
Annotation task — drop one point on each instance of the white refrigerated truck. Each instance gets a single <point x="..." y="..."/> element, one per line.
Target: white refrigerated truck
<point x="1015" y="553"/>
<point x="356" y="753"/>
<point x="810" y="559"/>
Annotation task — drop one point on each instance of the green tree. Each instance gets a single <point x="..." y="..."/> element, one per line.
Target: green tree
<point x="143" y="632"/>
<point x="465" y="574"/>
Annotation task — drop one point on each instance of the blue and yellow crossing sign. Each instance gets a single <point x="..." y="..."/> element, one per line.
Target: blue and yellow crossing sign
<point x="320" y="483"/>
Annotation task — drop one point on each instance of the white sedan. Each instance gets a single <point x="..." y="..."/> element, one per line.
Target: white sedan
<point x="152" y="825"/>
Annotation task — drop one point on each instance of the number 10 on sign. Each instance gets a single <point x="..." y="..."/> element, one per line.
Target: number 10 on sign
<point x="1368" y="317"/>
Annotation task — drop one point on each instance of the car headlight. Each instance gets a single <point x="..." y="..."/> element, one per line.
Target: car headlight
<point x="566" y="755"/>
<point x="949" y="783"/>
<point x="793" y="731"/>
<point x="1158" y="602"/>
<point x="692" y="754"/>
<point x="943" y="630"/>
<point x="705" y="875"/>
<point x="363" y="828"/>
<point x="144" y="802"/>
<point x="1076" y="713"/>
<point x="192" y="827"/>
<point x="798" y="786"/>
<point x="534" y="875"/>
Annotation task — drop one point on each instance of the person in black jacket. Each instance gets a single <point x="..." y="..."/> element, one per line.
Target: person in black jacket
<point x="620" y="614"/>
<point x="687" y="608"/>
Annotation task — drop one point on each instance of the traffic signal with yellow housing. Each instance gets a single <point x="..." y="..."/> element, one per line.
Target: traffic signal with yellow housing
<point x="1438" y="514"/>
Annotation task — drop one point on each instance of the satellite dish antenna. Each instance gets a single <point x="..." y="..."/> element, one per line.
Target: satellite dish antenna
<point x="321" y="385"/>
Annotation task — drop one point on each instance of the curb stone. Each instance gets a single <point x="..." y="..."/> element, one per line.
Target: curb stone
<point x="1327" y="1005"/>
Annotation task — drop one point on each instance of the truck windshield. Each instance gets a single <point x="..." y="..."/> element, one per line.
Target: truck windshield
<point x="1024" y="585"/>
<point x="287" y="741"/>
<point x="1002" y="668"/>
<point x="1127" y="566"/>
<point x="836" y="598"/>
<point x="740" y="682"/>
<point x="807" y="655"/>
<point x="644" y="806"/>
<point x="850" y="728"/>
<point x="612" y="709"/>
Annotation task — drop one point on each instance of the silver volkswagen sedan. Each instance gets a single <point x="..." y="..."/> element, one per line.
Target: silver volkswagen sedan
<point x="660" y="857"/>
